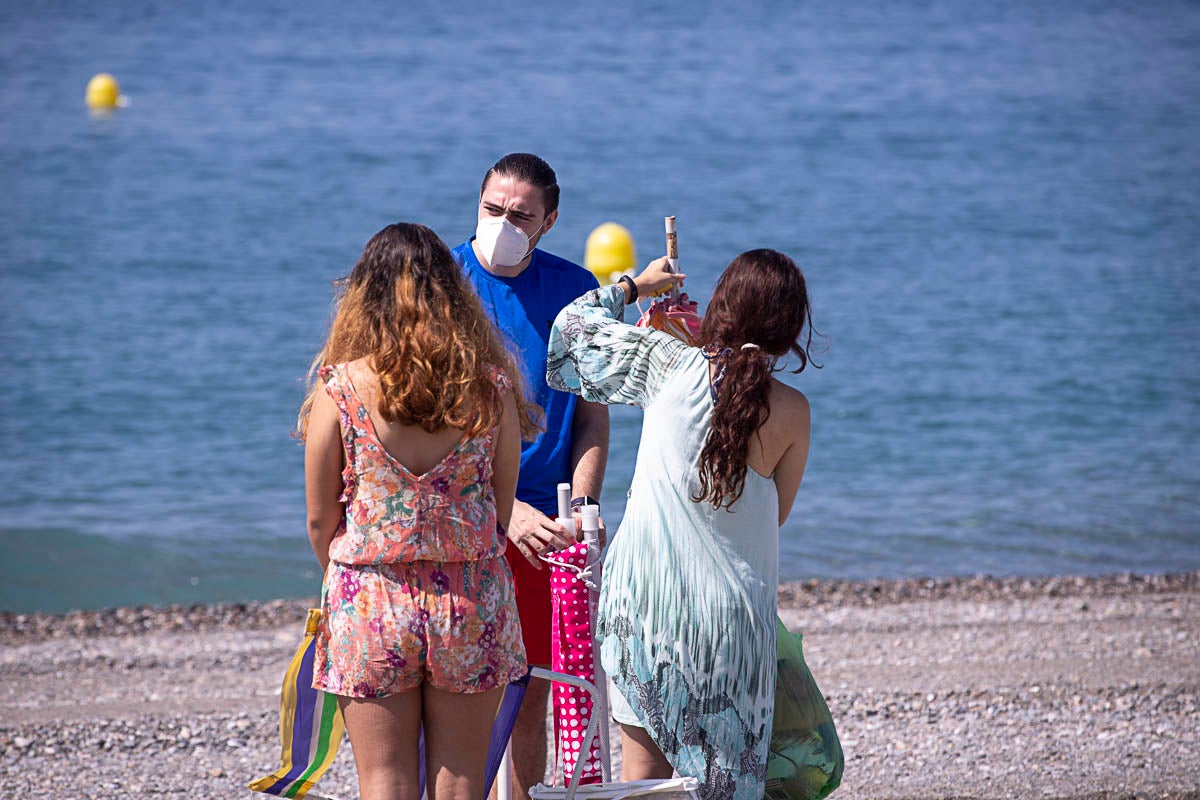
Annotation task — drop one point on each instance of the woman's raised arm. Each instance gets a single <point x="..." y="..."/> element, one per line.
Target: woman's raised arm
<point x="595" y="355"/>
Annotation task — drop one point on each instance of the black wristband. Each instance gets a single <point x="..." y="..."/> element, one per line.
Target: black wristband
<point x="633" y="292"/>
<point x="586" y="500"/>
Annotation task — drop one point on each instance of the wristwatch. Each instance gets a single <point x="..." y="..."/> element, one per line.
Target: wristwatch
<point x="586" y="500"/>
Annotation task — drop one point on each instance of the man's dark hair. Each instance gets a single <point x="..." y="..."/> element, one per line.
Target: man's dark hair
<point x="532" y="170"/>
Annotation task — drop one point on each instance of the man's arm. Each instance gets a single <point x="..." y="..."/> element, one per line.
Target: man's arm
<point x="589" y="448"/>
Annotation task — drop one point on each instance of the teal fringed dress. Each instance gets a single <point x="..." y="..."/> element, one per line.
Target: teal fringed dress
<point x="688" y="603"/>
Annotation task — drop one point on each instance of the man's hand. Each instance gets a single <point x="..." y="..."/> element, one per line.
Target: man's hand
<point x="533" y="533"/>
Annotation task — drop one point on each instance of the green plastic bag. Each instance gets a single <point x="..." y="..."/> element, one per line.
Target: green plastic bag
<point x="806" y="758"/>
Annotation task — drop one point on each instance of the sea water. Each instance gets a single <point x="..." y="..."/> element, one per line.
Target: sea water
<point x="997" y="207"/>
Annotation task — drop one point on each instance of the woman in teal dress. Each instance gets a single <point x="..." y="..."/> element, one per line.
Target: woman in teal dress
<point x="687" y="608"/>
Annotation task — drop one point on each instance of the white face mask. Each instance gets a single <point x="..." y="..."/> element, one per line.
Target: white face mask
<point x="502" y="243"/>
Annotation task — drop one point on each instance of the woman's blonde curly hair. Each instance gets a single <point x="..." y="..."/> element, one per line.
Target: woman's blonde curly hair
<point x="408" y="309"/>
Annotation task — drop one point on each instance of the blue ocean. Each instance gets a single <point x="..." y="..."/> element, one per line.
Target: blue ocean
<point x="997" y="206"/>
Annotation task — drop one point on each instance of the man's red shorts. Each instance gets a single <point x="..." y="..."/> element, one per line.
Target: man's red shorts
<point x="533" y="605"/>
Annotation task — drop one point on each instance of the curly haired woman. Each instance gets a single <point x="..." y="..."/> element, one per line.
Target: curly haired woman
<point x="412" y="429"/>
<point x="687" y="608"/>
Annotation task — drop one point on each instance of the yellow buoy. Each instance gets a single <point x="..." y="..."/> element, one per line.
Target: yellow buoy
<point x="609" y="252"/>
<point x="103" y="92"/>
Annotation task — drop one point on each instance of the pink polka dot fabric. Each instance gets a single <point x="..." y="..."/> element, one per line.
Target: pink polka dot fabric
<point x="571" y="652"/>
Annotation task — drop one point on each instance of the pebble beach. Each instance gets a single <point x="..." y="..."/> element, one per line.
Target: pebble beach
<point x="982" y="687"/>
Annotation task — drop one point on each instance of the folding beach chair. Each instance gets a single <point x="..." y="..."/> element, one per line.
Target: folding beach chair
<point x="310" y="725"/>
<point x="311" y="728"/>
<point x="669" y="789"/>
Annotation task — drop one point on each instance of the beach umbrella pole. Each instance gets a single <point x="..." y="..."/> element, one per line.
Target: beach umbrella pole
<point x="672" y="252"/>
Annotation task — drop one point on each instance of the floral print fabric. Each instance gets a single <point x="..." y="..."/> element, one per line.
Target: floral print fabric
<point x="385" y="629"/>
<point x="417" y="587"/>
<point x="392" y="515"/>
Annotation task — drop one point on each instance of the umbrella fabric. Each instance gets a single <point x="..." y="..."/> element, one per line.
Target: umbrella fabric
<point x="571" y="653"/>
<point x="310" y="725"/>
<point x="680" y="318"/>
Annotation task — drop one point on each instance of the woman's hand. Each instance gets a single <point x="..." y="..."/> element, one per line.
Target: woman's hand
<point x="657" y="278"/>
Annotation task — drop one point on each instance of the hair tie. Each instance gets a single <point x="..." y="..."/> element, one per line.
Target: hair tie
<point x="751" y="346"/>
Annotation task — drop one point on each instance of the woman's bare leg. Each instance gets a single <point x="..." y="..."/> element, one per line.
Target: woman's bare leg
<point x="384" y="734"/>
<point x="458" y="728"/>
<point x="640" y="757"/>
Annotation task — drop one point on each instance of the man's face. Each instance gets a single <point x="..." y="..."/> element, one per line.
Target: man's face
<point x="521" y="202"/>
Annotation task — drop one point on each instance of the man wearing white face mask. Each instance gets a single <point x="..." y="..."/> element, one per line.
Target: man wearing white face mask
<point x="524" y="288"/>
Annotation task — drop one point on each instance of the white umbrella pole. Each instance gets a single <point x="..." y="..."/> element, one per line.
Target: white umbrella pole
<point x="672" y="253"/>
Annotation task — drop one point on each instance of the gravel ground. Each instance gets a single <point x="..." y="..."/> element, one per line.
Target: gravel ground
<point x="955" y="688"/>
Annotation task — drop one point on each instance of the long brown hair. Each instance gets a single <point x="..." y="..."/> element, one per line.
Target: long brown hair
<point x="761" y="299"/>
<point x="407" y="307"/>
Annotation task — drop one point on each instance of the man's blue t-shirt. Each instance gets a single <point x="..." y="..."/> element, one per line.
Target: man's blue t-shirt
<point x="524" y="309"/>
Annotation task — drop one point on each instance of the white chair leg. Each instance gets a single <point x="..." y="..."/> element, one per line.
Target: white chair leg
<point x="592" y="727"/>
<point x="504" y="779"/>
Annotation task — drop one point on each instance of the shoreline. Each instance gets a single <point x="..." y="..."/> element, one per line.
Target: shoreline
<point x="1053" y="687"/>
<point x="810" y="593"/>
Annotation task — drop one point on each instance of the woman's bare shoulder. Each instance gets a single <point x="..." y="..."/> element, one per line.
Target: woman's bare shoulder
<point x="362" y="376"/>
<point x="788" y="403"/>
<point x="786" y="427"/>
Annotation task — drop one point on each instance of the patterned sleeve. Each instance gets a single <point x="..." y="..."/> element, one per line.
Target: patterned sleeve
<point x="596" y="356"/>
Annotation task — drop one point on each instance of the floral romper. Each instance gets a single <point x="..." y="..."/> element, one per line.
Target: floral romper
<point x="417" y="586"/>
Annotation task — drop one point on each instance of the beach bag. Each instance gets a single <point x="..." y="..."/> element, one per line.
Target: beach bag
<point x="805" y="760"/>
